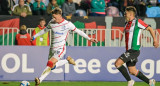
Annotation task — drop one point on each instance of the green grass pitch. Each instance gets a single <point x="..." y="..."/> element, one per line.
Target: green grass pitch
<point x="79" y="83"/>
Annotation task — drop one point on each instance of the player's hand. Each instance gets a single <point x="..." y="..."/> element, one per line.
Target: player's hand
<point x="32" y="38"/>
<point x="155" y="44"/>
<point x="23" y="14"/>
<point x="93" y="40"/>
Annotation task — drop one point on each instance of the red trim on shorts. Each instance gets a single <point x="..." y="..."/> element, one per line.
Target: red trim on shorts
<point x="61" y="52"/>
<point x="58" y="46"/>
<point x="57" y="37"/>
<point x="66" y="36"/>
<point x="63" y="46"/>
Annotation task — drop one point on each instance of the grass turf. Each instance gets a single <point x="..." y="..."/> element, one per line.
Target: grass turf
<point x="85" y="83"/>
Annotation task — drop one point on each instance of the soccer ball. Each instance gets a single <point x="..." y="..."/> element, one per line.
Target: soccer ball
<point x="25" y="83"/>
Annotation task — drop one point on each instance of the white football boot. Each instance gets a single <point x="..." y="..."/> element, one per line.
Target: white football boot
<point x="131" y="83"/>
<point x="152" y="82"/>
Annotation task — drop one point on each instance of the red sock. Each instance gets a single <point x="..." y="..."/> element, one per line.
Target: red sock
<point x="50" y="64"/>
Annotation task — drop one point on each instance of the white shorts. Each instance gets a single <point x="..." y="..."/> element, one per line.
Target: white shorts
<point x="57" y="53"/>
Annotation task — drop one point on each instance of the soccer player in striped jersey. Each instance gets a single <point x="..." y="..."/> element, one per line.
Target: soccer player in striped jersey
<point x="60" y="30"/>
<point x="133" y="30"/>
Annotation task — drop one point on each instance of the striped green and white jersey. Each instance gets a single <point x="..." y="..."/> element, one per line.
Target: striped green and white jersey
<point x="132" y="33"/>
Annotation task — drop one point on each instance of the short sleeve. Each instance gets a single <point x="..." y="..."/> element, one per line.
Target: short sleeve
<point x="141" y="24"/>
<point x="72" y="26"/>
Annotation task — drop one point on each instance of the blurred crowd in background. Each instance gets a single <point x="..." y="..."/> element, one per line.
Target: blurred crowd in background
<point x="113" y="8"/>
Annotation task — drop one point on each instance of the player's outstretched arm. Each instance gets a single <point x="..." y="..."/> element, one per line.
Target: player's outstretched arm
<point x="85" y="36"/>
<point x="40" y="33"/>
<point x="155" y="43"/>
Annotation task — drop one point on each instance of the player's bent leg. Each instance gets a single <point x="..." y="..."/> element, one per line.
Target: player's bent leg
<point x="133" y="70"/>
<point x="138" y="74"/>
<point x="50" y="64"/>
<point x="61" y="63"/>
<point x="71" y="60"/>
<point x="119" y="63"/>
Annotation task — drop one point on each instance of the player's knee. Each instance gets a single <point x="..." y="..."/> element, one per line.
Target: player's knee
<point x="117" y="64"/>
<point x="132" y="72"/>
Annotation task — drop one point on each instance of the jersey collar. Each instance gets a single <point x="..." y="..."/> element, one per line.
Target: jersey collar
<point x="41" y="27"/>
<point x="61" y="21"/>
<point x="131" y="21"/>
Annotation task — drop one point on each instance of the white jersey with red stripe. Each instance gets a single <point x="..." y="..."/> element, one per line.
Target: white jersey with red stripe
<point x="132" y="33"/>
<point x="60" y="32"/>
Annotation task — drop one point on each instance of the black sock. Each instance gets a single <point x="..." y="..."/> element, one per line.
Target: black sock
<point x="124" y="72"/>
<point x="142" y="77"/>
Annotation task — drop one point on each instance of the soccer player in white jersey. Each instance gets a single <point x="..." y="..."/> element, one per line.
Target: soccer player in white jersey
<point x="60" y="30"/>
<point x="133" y="29"/>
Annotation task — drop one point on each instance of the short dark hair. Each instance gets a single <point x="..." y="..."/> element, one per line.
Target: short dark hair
<point x="19" y="1"/>
<point x="57" y="10"/>
<point x="131" y="8"/>
<point x="42" y="19"/>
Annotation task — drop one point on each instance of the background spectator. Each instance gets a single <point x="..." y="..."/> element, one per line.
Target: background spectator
<point x="97" y="8"/>
<point x="6" y="6"/>
<point x="39" y="8"/>
<point x="68" y="8"/>
<point x="45" y="2"/>
<point x="113" y="3"/>
<point x="77" y="1"/>
<point x="158" y="3"/>
<point x="140" y="5"/>
<point x="107" y="2"/>
<point x="152" y="2"/>
<point x="51" y="6"/>
<point x="23" y="38"/>
<point x="88" y="2"/>
<point x="122" y="5"/>
<point x="42" y="40"/>
<point x="82" y="9"/>
<point x="28" y="2"/>
<point x="60" y="2"/>
<point x="21" y="9"/>
<point x="112" y="11"/>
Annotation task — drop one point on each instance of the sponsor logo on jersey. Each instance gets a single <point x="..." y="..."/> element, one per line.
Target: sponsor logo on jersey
<point x="59" y="33"/>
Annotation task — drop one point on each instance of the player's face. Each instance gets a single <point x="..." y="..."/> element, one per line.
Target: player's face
<point x="54" y="2"/>
<point x="38" y="0"/>
<point x="70" y="1"/>
<point x="21" y="2"/>
<point x="127" y="15"/>
<point x="29" y="1"/>
<point x="57" y="17"/>
<point x="42" y="23"/>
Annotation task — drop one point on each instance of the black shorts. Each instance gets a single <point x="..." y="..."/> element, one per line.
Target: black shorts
<point x="130" y="57"/>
